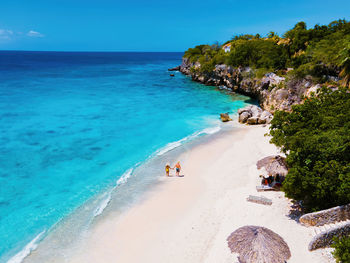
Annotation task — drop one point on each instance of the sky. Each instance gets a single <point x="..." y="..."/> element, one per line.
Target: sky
<point x="151" y="25"/>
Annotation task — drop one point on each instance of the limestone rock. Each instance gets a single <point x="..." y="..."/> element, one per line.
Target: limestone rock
<point x="243" y="117"/>
<point x="254" y="115"/>
<point x="225" y="117"/>
<point x="252" y="120"/>
<point x="273" y="79"/>
<point x="256" y="111"/>
<point x="174" y="69"/>
<point x="272" y="91"/>
<point x="265" y="117"/>
<point x="245" y="109"/>
<point x="311" y="90"/>
<point x="261" y="121"/>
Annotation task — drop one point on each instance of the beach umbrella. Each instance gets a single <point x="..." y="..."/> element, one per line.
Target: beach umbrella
<point x="256" y="244"/>
<point x="274" y="165"/>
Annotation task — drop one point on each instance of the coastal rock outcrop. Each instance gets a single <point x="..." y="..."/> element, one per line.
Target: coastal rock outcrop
<point x="254" y="115"/>
<point x="225" y="117"/>
<point x="272" y="91"/>
<point x="174" y="69"/>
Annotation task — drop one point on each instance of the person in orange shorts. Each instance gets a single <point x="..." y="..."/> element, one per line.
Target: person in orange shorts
<point x="177" y="168"/>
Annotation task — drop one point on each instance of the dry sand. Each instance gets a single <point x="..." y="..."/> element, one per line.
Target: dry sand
<point x="188" y="219"/>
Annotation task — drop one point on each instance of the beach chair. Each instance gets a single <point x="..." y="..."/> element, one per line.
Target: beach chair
<point x="259" y="200"/>
<point x="262" y="188"/>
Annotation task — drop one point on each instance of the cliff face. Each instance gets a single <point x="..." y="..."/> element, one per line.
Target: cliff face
<point x="273" y="92"/>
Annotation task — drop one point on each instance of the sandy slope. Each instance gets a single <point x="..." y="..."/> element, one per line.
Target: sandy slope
<point x="188" y="219"/>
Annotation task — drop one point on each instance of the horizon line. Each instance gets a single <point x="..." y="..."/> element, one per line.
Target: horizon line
<point x="87" y="51"/>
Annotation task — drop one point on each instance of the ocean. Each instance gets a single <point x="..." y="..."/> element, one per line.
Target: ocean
<point x="74" y="126"/>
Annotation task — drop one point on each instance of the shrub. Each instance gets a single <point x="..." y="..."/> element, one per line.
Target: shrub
<point x="257" y="53"/>
<point x="320" y="51"/>
<point x="316" y="139"/>
<point x="342" y="249"/>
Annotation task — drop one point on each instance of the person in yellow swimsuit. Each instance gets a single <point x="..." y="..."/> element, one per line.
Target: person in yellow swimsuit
<point x="167" y="169"/>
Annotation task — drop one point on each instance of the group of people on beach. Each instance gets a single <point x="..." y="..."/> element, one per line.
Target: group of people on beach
<point x="177" y="168"/>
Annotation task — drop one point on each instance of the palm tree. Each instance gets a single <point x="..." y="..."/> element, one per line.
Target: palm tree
<point x="345" y="72"/>
<point x="345" y="65"/>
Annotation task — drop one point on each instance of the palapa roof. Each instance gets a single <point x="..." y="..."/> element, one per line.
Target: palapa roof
<point x="273" y="165"/>
<point x="256" y="244"/>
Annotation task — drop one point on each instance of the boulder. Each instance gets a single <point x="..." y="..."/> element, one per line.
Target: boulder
<point x="312" y="89"/>
<point x="261" y="121"/>
<point x="281" y="95"/>
<point x="252" y="120"/>
<point x="245" y="109"/>
<point x="273" y="78"/>
<point x="201" y="79"/>
<point x="225" y="117"/>
<point x="221" y="67"/>
<point x="256" y="111"/>
<point x="243" y="117"/>
<point x="265" y="117"/>
<point x="265" y="83"/>
<point x="254" y="115"/>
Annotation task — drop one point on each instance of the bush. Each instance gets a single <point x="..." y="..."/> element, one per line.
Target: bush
<point x="316" y="139"/>
<point x="317" y="51"/>
<point x="258" y="53"/>
<point x="342" y="249"/>
<point x="259" y="73"/>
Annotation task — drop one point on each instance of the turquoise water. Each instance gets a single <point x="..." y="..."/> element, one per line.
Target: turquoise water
<point x="71" y="124"/>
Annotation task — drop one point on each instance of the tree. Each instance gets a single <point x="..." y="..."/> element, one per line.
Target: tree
<point x="342" y="249"/>
<point x="316" y="139"/>
<point x="271" y="34"/>
<point x="345" y="73"/>
<point x="345" y="65"/>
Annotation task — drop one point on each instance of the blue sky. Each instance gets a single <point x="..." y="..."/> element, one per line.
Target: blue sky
<point x="150" y="25"/>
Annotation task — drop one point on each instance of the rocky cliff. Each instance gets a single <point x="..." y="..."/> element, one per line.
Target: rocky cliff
<point x="273" y="92"/>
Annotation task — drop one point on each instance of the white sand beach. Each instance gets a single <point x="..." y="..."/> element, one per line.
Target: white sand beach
<point x="188" y="219"/>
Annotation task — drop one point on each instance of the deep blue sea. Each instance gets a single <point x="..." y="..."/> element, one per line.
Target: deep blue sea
<point x="72" y="124"/>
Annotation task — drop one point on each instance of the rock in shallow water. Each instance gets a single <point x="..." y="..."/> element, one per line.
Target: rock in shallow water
<point x="225" y="117"/>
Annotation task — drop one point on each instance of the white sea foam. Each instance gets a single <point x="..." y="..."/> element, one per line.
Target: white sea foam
<point x="108" y="196"/>
<point x="212" y="130"/>
<point x="32" y="245"/>
<point x="103" y="204"/>
<point x="124" y="178"/>
<point x="172" y="145"/>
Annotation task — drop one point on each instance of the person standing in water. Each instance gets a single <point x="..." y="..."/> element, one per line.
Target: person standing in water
<point x="178" y="168"/>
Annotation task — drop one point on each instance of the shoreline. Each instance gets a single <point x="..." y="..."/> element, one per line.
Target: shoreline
<point x="188" y="219"/>
<point x="135" y="184"/>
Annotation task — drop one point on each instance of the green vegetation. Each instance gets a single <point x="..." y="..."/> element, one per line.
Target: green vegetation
<point x="316" y="139"/>
<point x="342" y="249"/>
<point x="320" y="52"/>
<point x="316" y="135"/>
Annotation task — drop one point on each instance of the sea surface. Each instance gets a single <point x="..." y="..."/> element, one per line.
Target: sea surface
<point x="75" y="125"/>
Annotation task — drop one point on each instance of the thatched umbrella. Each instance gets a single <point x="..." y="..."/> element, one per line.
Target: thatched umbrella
<point x="274" y="165"/>
<point x="256" y="244"/>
